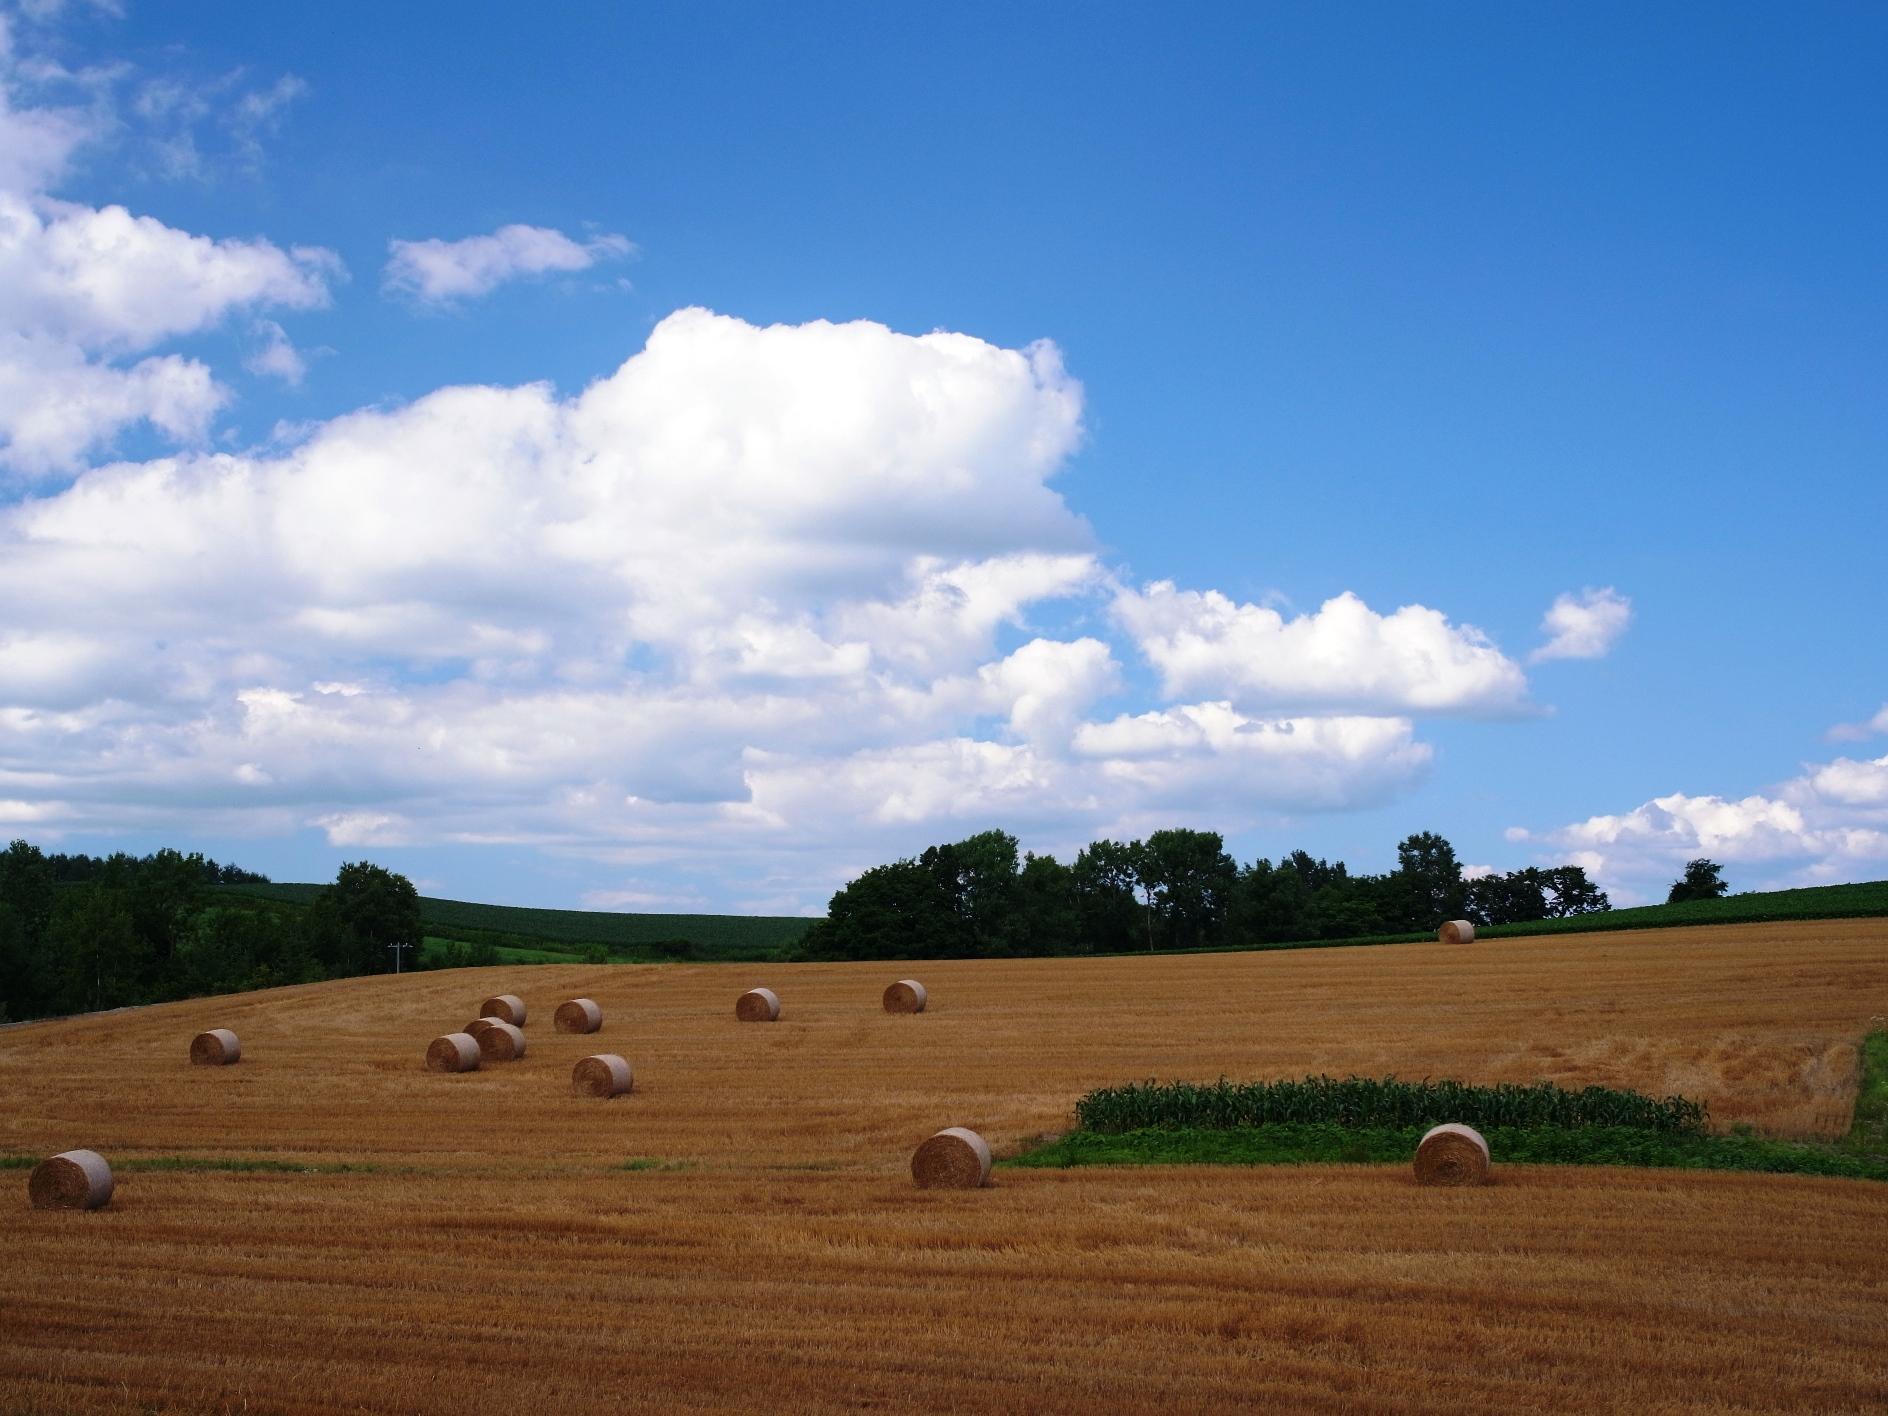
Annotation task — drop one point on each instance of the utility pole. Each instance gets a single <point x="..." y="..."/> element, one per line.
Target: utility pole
<point x="396" y="954"/>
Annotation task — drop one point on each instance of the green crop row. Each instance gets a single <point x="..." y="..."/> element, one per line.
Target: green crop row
<point x="1367" y="1101"/>
<point x="1319" y="1143"/>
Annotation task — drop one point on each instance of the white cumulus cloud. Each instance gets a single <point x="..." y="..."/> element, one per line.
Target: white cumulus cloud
<point x="1584" y="626"/>
<point x="1828" y="823"/>
<point x="87" y="294"/>
<point x="1345" y="656"/>
<point x="436" y="272"/>
<point x="763" y="596"/>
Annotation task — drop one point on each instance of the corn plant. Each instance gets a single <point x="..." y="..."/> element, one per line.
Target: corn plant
<point x="1367" y="1101"/>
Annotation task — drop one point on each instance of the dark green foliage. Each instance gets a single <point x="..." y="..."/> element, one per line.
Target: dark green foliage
<point x="1427" y="886"/>
<point x="123" y="930"/>
<point x="358" y="922"/>
<point x="1514" y="898"/>
<point x="457" y="954"/>
<point x="1188" y="880"/>
<point x="98" y="959"/>
<point x="1571" y="894"/>
<point x="1324" y="1143"/>
<point x="1366" y="1101"/>
<point x="977" y="880"/>
<point x="1523" y="896"/>
<point x="1178" y="889"/>
<point x="900" y="911"/>
<point x="83" y="869"/>
<point x="1702" y="880"/>
<point x="1047" y="918"/>
<point x="1104" y="878"/>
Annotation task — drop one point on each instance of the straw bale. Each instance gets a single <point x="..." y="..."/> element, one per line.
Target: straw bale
<point x="1452" y="1154"/>
<point x="478" y="1025"/>
<point x="501" y="1042"/>
<point x="953" y="1159"/>
<point x="216" y="1048"/>
<point x="905" y="996"/>
<point x="758" y="1005"/>
<point x="580" y="1015"/>
<point x="77" y="1179"/>
<point x="455" y="1052"/>
<point x="604" y="1075"/>
<point x="1457" y="931"/>
<point x="506" y="1007"/>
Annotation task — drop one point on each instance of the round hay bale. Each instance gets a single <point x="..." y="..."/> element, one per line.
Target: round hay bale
<point x="216" y="1048"/>
<point x="506" y="1007"/>
<point x="953" y="1159"/>
<point x="758" y="1005"/>
<point x="71" y="1180"/>
<point x="580" y="1015"/>
<point x="478" y="1025"/>
<point x="455" y="1052"/>
<point x="1457" y="931"/>
<point x="1452" y="1154"/>
<point x="905" y="996"/>
<point x="604" y="1075"/>
<point x="501" y="1042"/>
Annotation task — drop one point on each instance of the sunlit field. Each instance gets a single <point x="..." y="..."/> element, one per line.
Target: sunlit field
<point x="742" y="1230"/>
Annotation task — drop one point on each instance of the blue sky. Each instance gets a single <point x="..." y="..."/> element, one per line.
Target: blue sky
<point x="1149" y="333"/>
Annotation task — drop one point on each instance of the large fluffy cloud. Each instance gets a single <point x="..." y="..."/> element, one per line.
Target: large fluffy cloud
<point x="760" y="591"/>
<point x="1344" y="656"/>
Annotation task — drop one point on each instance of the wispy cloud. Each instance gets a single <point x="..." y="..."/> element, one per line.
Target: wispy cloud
<point x="1583" y="626"/>
<point x="438" y="272"/>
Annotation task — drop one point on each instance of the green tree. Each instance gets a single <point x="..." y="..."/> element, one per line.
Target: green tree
<point x="1702" y="880"/>
<point x="26" y="902"/>
<point x="367" y="909"/>
<point x="978" y="875"/>
<point x="1046" y="918"/>
<point x="1428" y="881"/>
<point x="896" y="911"/>
<point x="1189" y="880"/>
<point x="164" y="891"/>
<point x="1573" y="893"/>
<point x="1105" y="876"/>
<point x="1514" y="898"/>
<point x="99" y="958"/>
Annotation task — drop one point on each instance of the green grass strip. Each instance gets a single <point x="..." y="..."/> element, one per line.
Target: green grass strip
<point x="233" y="1164"/>
<point x="1869" y="1131"/>
<point x="1323" y="1143"/>
<point x="651" y="1162"/>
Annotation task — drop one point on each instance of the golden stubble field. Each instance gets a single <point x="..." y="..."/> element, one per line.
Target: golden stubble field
<point x="777" y="1257"/>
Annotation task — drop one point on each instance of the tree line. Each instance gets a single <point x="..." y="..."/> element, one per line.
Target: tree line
<point x="79" y="933"/>
<point x="1178" y="889"/>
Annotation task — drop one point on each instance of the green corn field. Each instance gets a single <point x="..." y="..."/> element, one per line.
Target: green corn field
<point x="1367" y="1101"/>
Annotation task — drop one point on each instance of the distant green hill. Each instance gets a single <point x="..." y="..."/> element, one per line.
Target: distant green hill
<point x="511" y="927"/>
<point x="530" y="935"/>
<point x="1754" y="907"/>
<point x="1811" y="902"/>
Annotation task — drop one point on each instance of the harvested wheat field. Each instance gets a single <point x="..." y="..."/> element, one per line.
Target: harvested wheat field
<point x="769" y="1249"/>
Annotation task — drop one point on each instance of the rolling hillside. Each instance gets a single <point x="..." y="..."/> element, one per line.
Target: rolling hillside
<point x="722" y="937"/>
<point x="326" y="1226"/>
